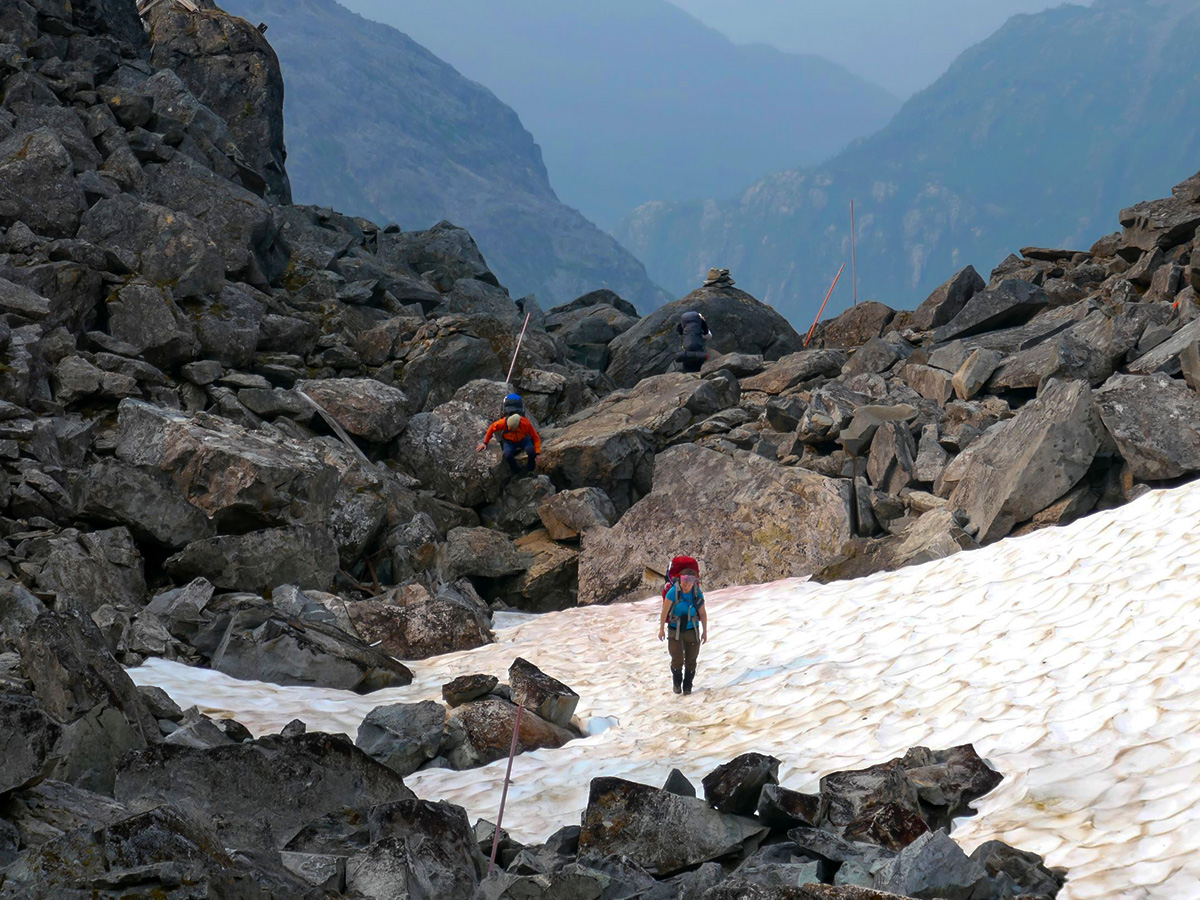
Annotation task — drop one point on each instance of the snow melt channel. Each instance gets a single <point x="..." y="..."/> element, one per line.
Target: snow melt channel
<point x="1067" y="657"/>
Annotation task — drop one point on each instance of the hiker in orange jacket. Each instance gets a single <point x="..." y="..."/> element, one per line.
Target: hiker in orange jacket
<point x="516" y="433"/>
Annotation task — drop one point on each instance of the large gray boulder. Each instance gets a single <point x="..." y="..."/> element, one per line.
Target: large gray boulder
<point x="303" y="555"/>
<point x="89" y="570"/>
<point x="948" y="300"/>
<point x="795" y="369"/>
<point x="737" y="320"/>
<point x="50" y="200"/>
<point x="83" y="689"/>
<point x="262" y="646"/>
<point x="479" y="552"/>
<point x="363" y="406"/>
<point x="28" y="737"/>
<point x="170" y="247"/>
<point x="438" y="448"/>
<point x="1029" y="461"/>
<point x="164" y="852"/>
<point x="146" y="317"/>
<point x="763" y="522"/>
<point x="412" y="623"/>
<point x="933" y="866"/>
<point x="1155" y="421"/>
<point x="402" y="736"/>
<point x="662" y="832"/>
<point x="610" y="445"/>
<point x="1011" y="302"/>
<point x="568" y="514"/>
<point x="250" y="792"/>
<point x="143" y="498"/>
<point x="420" y="851"/>
<point x="239" y="478"/>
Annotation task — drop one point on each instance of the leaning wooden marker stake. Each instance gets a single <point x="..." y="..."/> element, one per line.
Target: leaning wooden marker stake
<point x="513" y="364"/>
<point x="808" y="337"/>
<point x="512" y="751"/>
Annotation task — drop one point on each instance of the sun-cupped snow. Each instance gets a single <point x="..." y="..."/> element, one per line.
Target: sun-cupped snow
<point x="1068" y="657"/>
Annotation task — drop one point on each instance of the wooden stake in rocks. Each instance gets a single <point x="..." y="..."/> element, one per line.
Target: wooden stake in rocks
<point x="512" y="751"/>
<point x="822" y="309"/>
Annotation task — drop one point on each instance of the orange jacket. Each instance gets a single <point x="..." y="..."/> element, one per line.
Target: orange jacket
<point x="524" y="430"/>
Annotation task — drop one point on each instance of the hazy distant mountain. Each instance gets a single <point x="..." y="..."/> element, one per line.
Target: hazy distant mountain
<point x="1037" y="135"/>
<point x="632" y="100"/>
<point x="378" y="126"/>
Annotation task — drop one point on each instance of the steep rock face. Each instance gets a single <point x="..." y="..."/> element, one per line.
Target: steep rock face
<point x="437" y="147"/>
<point x="231" y="69"/>
<point x="939" y="186"/>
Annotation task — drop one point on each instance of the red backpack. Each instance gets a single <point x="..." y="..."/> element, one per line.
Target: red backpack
<point x="678" y="564"/>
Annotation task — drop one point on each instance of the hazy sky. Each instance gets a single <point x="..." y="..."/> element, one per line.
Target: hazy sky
<point x="903" y="45"/>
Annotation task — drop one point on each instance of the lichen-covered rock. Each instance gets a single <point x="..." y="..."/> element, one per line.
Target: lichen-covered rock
<point x="662" y="832"/>
<point x="249" y="790"/>
<point x="480" y="732"/>
<point x="540" y="693"/>
<point x="412" y="623"/>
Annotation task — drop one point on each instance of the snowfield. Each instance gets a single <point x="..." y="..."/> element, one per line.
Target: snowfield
<point x="1067" y="657"/>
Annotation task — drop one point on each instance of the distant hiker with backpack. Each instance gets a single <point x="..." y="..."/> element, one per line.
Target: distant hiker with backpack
<point x="693" y="328"/>
<point x="516" y="434"/>
<point x="683" y="616"/>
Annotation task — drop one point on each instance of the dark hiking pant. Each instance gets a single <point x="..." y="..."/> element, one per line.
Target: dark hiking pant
<point x="684" y="653"/>
<point x="510" y="449"/>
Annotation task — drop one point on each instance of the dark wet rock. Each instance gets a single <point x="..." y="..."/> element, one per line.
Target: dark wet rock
<point x="678" y="783"/>
<point x="852" y="793"/>
<point x="662" y="832"/>
<point x="402" y="736"/>
<point x="782" y="808"/>
<point x="27" y="740"/>
<point x="1011" y="302"/>
<point x="538" y="692"/>
<point x="165" y="852"/>
<point x="466" y="688"/>
<point x="303" y="555"/>
<point x="933" y="866"/>
<point x="261" y="646"/>
<point x="420" y="850"/>
<point x="887" y="825"/>
<point x="834" y="849"/>
<point x="948" y="300"/>
<point x="249" y="790"/>
<point x="88" y="570"/>
<point x="1026" y="870"/>
<point x="948" y="781"/>
<point x="735" y="786"/>
<point x="480" y="732"/>
<point x="82" y="688"/>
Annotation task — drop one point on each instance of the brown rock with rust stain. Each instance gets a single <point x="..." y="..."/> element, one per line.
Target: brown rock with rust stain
<point x="481" y="732"/>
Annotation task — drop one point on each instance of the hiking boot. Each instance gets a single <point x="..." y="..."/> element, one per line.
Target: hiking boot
<point x="687" y="681"/>
<point x="677" y="678"/>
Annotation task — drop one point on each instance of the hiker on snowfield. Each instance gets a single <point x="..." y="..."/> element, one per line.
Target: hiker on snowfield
<point x="693" y="327"/>
<point x="683" y="613"/>
<point x="516" y="434"/>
